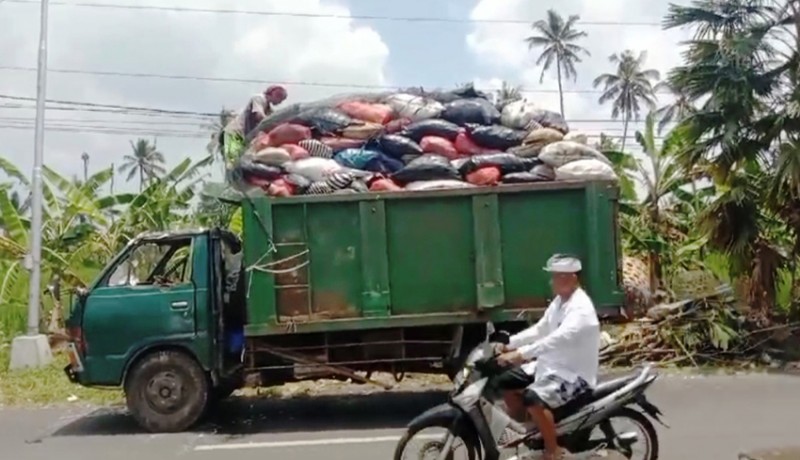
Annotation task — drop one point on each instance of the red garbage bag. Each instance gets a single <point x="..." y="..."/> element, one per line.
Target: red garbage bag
<point x="288" y="133"/>
<point x="260" y="142"/>
<point x="339" y="143"/>
<point x="466" y="146"/>
<point x="256" y="181"/>
<point x="296" y="152"/>
<point x="373" y="113"/>
<point x="440" y="146"/>
<point x="384" y="185"/>
<point x="489" y="175"/>
<point x="395" y="126"/>
<point x="280" y="188"/>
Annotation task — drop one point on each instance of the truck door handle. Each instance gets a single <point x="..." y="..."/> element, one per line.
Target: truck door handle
<point x="180" y="305"/>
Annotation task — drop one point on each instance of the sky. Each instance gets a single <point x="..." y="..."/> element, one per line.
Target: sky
<point x="318" y="56"/>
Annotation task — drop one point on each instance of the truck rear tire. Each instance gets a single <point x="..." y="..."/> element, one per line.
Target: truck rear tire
<point x="167" y="392"/>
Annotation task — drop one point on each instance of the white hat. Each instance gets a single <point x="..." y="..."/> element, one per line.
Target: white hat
<point x="560" y="263"/>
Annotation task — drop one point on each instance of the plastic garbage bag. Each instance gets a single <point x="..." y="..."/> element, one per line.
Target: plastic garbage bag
<point x="508" y="163"/>
<point x="439" y="146"/>
<point x="465" y="92"/>
<point x="560" y="153"/>
<point x="355" y="158"/>
<point x="586" y="170"/>
<point x="384" y="185"/>
<point x="280" y="188"/>
<point x="466" y="146"/>
<point x="424" y="168"/>
<point x="540" y="173"/>
<point x="396" y="126"/>
<point x="518" y="114"/>
<point x="299" y="182"/>
<point x="362" y="131"/>
<point x="324" y="120"/>
<point x="337" y="144"/>
<point x="316" y="148"/>
<point x="373" y="113"/>
<point x="548" y="119"/>
<point x="414" y="107"/>
<point x="383" y="164"/>
<point x="319" y="188"/>
<point x="439" y="184"/>
<point x="251" y="168"/>
<point x="314" y="169"/>
<point x="543" y="136"/>
<point x="471" y="111"/>
<point x="288" y="133"/>
<point x="272" y="156"/>
<point x="440" y="128"/>
<point x="295" y="151"/>
<point x="397" y="146"/>
<point x="340" y="180"/>
<point x="496" y="136"/>
<point x="487" y="175"/>
<point x="580" y="138"/>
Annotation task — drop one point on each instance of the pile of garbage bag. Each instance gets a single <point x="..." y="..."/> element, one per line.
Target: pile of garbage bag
<point x="412" y="140"/>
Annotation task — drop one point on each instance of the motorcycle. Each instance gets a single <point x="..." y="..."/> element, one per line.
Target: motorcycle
<point x="473" y="416"/>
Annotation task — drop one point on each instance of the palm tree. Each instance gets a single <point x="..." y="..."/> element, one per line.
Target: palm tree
<point x="557" y="38"/>
<point x="680" y="108"/>
<point x="145" y="160"/>
<point x="629" y="87"/>
<point x="217" y="127"/>
<point x="507" y="93"/>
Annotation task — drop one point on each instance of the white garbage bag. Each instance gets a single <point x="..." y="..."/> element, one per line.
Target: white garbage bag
<point x="415" y="108"/>
<point x="586" y="170"/>
<point x="561" y="153"/>
<point x="518" y="114"/>
<point x="580" y="138"/>
<point x="314" y="169"/>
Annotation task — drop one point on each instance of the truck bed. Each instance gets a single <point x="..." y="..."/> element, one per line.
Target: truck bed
<point x="366" y="261"/>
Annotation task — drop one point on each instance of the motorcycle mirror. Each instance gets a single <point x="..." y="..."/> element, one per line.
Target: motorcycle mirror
<point x="489" y="329"/>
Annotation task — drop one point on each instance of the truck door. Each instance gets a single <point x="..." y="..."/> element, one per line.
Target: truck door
<point x="147" y="298"/>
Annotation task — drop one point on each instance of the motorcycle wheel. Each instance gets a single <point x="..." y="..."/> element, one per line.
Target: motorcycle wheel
<point x="645" y="426"/>
<point x="471" y="445"/>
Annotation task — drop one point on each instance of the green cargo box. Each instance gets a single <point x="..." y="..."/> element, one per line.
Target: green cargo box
<point x="348" y="262"/>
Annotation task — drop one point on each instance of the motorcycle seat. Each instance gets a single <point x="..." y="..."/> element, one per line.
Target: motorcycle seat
<point x="603" y="389"/>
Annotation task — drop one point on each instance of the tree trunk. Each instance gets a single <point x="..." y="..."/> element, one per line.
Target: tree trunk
<point x="624" y="131"/>
<point x="141" y="179"/>
<point x="560" y="89"/>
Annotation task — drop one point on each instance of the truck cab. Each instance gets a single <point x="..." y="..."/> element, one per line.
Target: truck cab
<point x="165" y="320"/>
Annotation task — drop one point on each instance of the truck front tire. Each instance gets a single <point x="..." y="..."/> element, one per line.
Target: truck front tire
<point x="167" y="392"/>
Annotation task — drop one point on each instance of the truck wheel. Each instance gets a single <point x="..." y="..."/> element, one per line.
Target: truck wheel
<point x="167" y="392"/>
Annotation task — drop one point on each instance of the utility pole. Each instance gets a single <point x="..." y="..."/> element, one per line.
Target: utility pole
<point x="85" y="158"/>
<point x="33" y="349"/>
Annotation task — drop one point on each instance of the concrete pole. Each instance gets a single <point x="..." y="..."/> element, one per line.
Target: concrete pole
<point x="33" y="349"/>
<point x="36" y="194"/>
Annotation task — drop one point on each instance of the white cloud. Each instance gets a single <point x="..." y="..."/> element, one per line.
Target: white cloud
<point x="221" y="45"/>
<point x="503" y="54"/>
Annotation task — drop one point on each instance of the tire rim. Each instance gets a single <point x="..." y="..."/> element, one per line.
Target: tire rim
<point x="165" y="392"/>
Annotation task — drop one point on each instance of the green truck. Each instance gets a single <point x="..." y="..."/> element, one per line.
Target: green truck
<point x="332" y="286"/>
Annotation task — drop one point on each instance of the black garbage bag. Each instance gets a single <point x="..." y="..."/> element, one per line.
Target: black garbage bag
<point x="397" y="146"/>
<point x="548" y="119"/>
<point x="324" y="120"/>
<point x="508" y="163"/>
<point x="432" y="127"/>
<point x="262" y="171"/>
<point x="465" y="92"/>
<point x="425" y="168"/>
<point x="523" y="178"/>
<point x="477" y="111"/>
<point x="383" y="164"/>
<point x="496" y="136"/>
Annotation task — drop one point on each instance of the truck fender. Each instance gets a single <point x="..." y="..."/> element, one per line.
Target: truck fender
<point x="146" y="350"/>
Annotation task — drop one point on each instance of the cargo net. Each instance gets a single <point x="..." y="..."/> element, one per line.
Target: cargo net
<point x="409" y="140"/>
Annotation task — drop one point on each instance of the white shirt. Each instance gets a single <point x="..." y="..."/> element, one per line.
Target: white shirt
<point x="565" y="342"/>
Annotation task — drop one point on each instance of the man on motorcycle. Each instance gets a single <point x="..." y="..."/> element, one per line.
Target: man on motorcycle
<point x="557" y="359"/>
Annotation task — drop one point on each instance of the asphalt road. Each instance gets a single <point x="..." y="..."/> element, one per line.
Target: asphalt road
<point x="711" y="418"/>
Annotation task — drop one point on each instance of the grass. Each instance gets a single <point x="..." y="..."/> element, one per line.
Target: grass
<point x="47" y="386"/>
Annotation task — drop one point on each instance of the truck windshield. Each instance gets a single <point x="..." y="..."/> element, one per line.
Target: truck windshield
<point x="154" y="262"/>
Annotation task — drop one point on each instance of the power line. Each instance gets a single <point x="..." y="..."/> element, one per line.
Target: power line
<point x="265" y="82"/>
<point x="112" y="106"/>
<point x="181" y="9"/>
